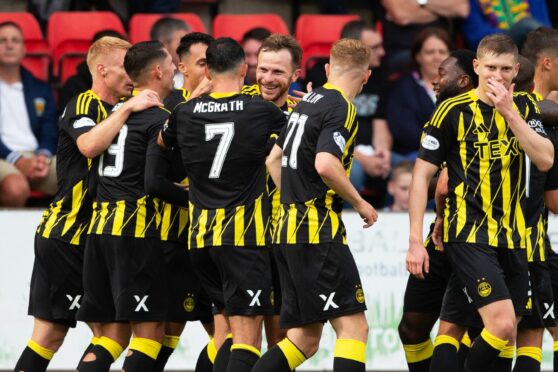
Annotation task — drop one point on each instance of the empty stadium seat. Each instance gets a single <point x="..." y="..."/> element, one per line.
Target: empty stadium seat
<point x="37" y="57"/>
<point x="140" y="24"/>
<point x="236" y="25"/>
<point x="70" y="35"/>
<point x="316" y="33"/>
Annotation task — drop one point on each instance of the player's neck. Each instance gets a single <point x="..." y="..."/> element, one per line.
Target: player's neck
<point x="349" y="87"/>
<point x="541" y="85"/>
<point x="226" y="85"/>
<point x="483" y="96"/>
<point x="10" y="73"/>
<point x="104" y="93"/>
<point x="156" y="87"/>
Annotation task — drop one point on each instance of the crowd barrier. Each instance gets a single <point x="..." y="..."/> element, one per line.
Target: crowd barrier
<point x="378" y="251"/>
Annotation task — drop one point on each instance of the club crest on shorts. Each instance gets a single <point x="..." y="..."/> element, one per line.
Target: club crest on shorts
<point x="484" y="288"/>
<point x="359" y="295"/>
<point x="189" y="303"/>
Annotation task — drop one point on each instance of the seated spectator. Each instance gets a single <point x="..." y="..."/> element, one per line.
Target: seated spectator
<point x="28" y="131"/>
<point x="411" y="99"/>
<point x="516" y="18"/>
<point x="251" y="42"/>
<point x="169" y="31"/>
<point x="81" y="81"/>
<point x="399" y="185"/>
<point x="404" y="19"/>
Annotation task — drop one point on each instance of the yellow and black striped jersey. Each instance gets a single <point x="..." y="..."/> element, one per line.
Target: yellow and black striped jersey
<point x="224" y="139"/>
<point x="272" y="191"/>
<point x="67" y="217"/>
<point x="324" y="121"/>
<point x="176" y="97"/>
<point x="122" y="206"/>
<point x="486" y="169"/>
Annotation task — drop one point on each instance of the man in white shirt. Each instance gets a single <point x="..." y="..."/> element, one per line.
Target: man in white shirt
<point x="28" y="132"/>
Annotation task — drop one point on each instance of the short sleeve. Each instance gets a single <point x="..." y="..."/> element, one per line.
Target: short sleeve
<point x="82" y="119"/>
<point x="532" y="115"/>
<point x="338" y="123"/>
<point x="437" y="137"/>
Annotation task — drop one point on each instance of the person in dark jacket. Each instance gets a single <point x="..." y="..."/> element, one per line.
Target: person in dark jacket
<point x="28" y="131"/>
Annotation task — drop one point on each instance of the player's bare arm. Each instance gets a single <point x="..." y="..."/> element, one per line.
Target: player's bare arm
<point x="440" y="198"/>
<point x="539" y="149"/>
<point x="417" y="261"/>
<point x="273" y="163"/>
<point x="99" y="138"/>
<point x="335" y="177"/>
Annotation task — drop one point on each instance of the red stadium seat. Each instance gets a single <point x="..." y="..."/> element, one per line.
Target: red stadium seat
<point x="140" y="24"/>
<point x="70" y="35"/>
<point x="316" y="33"/>
<point x="236" y="25"/>
<point x="37" y="57"/>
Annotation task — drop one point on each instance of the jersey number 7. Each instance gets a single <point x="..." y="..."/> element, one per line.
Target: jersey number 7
<point x="226" y="130"/>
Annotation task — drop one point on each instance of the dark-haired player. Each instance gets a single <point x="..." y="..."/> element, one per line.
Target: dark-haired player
<point x="124" y="269"/>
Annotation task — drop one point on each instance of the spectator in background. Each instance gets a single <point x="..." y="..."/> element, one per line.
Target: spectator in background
<point x="411" y="100"/>
<point x="82" y="80"/>
<point x="404" y="19"/>
<point x="513" y="17"/>
<point x="169" y="31"/>
<point x="28" y="130"/>
<point x="251" y="42"/>
<point x="399" y="185"/>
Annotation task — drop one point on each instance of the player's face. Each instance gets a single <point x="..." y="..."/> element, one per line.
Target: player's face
<point x="251" y="47"/>
<point x="167" y="73"/>
<point x="12" y="49"/>
<point x="447" y="84"/>
<point x="193" y="65"/>
<point x="115" y="76"/>
<point x="375" y="43"/>
<point x="432" y="53"/>
<point x="399" y="189"/>
<point x="553" y="75"/>
<point x="275" y="74"/>
<point x="174" y="43"/>
<point x="502" y="68"/>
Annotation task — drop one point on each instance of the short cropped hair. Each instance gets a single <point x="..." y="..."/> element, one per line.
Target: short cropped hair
<point x="163" y="29"/>
<point x="257" y="33"/>
<point x="497" y="44"/>
<point x="223" y="55"/>
<point x="190" y="39"/>
<point x="141" y="56"/>
<point x="349" y="54"/>
<point x="464" y="60"/>
<point x="276" y="42"/>
<point x="524" y="79"/>
<point x="354" y="29"/>
<point x="540" y="41"/>
<point x="102" y="47"/>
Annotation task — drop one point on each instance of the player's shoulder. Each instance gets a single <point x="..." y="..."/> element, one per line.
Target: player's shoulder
<point x="251" y="90"/>
<point x="85" y="103"/>
<point x="451" y="105"/>
<point x="176" y="97"/>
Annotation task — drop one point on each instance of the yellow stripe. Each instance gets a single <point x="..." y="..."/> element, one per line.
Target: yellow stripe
<point x="78" y="101"/>
<point x="171" y="341"/>
<point x="239" y="226"/>
<point x="211" y="350"/>
<point x="462" y="212"/>
<point x="88" y="104"/>
<point x="313" y="222"/>
<point x="249" y="348"/>
<point x="293" y="355"/>
<point x="505" y="185"/>
<point x="507" y="352"/>
<point x="202" y="221"/>
<point x="418" y="352"/>
<point x="182" y="220"/>
<point x="218" y="228"/>
<point x="466" y="340"/>
<point x="531" y="352"/>
<point x="77" y="197"/>
<point x="141" y="216"/>
<point x="43" y="352"/>
<point x="93" y="218"/>
<point x="291" y="224"/>
<point x="258" y="222"/>
<point x="111" y="346"/>
<point x="52" y="218"/>
<point x="146" y="346"/>
<point x="493" y="341"/>
<point x="166" y="222"/>
<point x="446" y="106"/>
<point x="118" y="218"/>
<point x="102" y="217"/>
<point x="350" y="349"/>
<point x="445" y="339"/>
<point x="555" y="346"/>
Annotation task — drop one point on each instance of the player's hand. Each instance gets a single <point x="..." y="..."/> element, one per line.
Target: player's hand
<point x="417" y="261"/>
<point x="143" y="100"/>
<point x="367" y="213"/>
<point x="298" y="94"/>
<point x="203" y="87"/>
<point x="437" y="233"/>
<point x="501" y="97"/>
